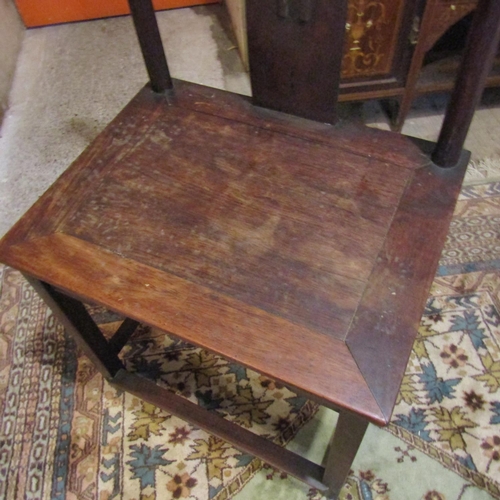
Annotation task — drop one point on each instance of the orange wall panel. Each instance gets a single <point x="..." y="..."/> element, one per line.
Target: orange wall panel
<point x="43" y="12"/>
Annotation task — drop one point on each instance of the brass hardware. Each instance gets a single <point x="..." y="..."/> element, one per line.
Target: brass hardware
<point x="453" y="7"/>
<point x="415" y="30"/>
<point x="347" y="26"/>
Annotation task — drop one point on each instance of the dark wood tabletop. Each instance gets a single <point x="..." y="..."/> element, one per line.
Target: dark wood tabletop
<point x="302" y="250"/>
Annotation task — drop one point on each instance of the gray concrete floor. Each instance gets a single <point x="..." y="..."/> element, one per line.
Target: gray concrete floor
<point x="71" y="80"/>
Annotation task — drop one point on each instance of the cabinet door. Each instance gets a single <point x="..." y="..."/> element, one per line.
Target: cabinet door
<point x="371" y="37"/>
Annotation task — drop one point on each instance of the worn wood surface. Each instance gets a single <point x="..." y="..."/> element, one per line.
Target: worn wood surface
<point x="268" y="239"/>
<point x="267" y="343"/>
<point x="392" y="304"/>
<point x="299" y="249"/>
<point x="295" y="52"/>
<point x="231" y="224"/>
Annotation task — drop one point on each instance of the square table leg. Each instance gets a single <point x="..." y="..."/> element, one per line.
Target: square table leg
<point x="78" y="322"/>
<point x="344" y="445"/>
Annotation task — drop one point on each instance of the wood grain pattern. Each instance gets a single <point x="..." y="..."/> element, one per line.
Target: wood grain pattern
<point x="301" y="250"/>
<point x="391" y="309"/>
<point x="371" y="143"/>
<point x="132" y="123"/>
<point x="292" y="354"/>
<point x="227" y="222"/>
<point x="129" y="129"/>
<point x="295" y="53"/>
<point x="245" y="231"/>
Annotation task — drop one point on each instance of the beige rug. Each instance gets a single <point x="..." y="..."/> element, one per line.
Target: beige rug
<point x="66" y="433"/>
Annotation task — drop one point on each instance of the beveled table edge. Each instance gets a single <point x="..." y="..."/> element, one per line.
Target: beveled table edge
<point x="221" y="324"/>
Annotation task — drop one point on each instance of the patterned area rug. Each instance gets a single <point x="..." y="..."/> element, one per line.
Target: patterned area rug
<point x="66" y="433"/>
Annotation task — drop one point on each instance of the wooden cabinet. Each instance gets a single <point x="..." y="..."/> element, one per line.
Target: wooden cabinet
<point x="377" y="45"/>
<point x="437" y="18"/>
<point x="372" y="31"/>
<point x="428" y="71"/>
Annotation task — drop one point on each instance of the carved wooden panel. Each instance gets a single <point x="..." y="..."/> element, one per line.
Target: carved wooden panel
<point x="372" y="31"/>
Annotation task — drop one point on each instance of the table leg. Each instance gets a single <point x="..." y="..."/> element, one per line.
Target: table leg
<point x="78" y="322"/>
<point x="72" y="314"/>
<point x="343" y="447"/>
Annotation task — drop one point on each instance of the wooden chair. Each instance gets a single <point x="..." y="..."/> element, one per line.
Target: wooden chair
<point x="298" y="248"/>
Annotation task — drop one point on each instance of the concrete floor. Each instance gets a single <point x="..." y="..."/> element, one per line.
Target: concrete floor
<point x="71" y="80"/>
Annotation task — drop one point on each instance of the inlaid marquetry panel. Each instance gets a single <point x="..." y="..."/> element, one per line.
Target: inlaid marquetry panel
<point x="372" y="31"/>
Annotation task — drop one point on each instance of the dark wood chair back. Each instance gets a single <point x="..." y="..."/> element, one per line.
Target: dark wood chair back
<point x="295" y="50"/>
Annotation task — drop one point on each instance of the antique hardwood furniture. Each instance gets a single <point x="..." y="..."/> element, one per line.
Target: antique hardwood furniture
<point x="301" y="249"/>
<point x="385" y="44"/>
<point x="377" y="48"/>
